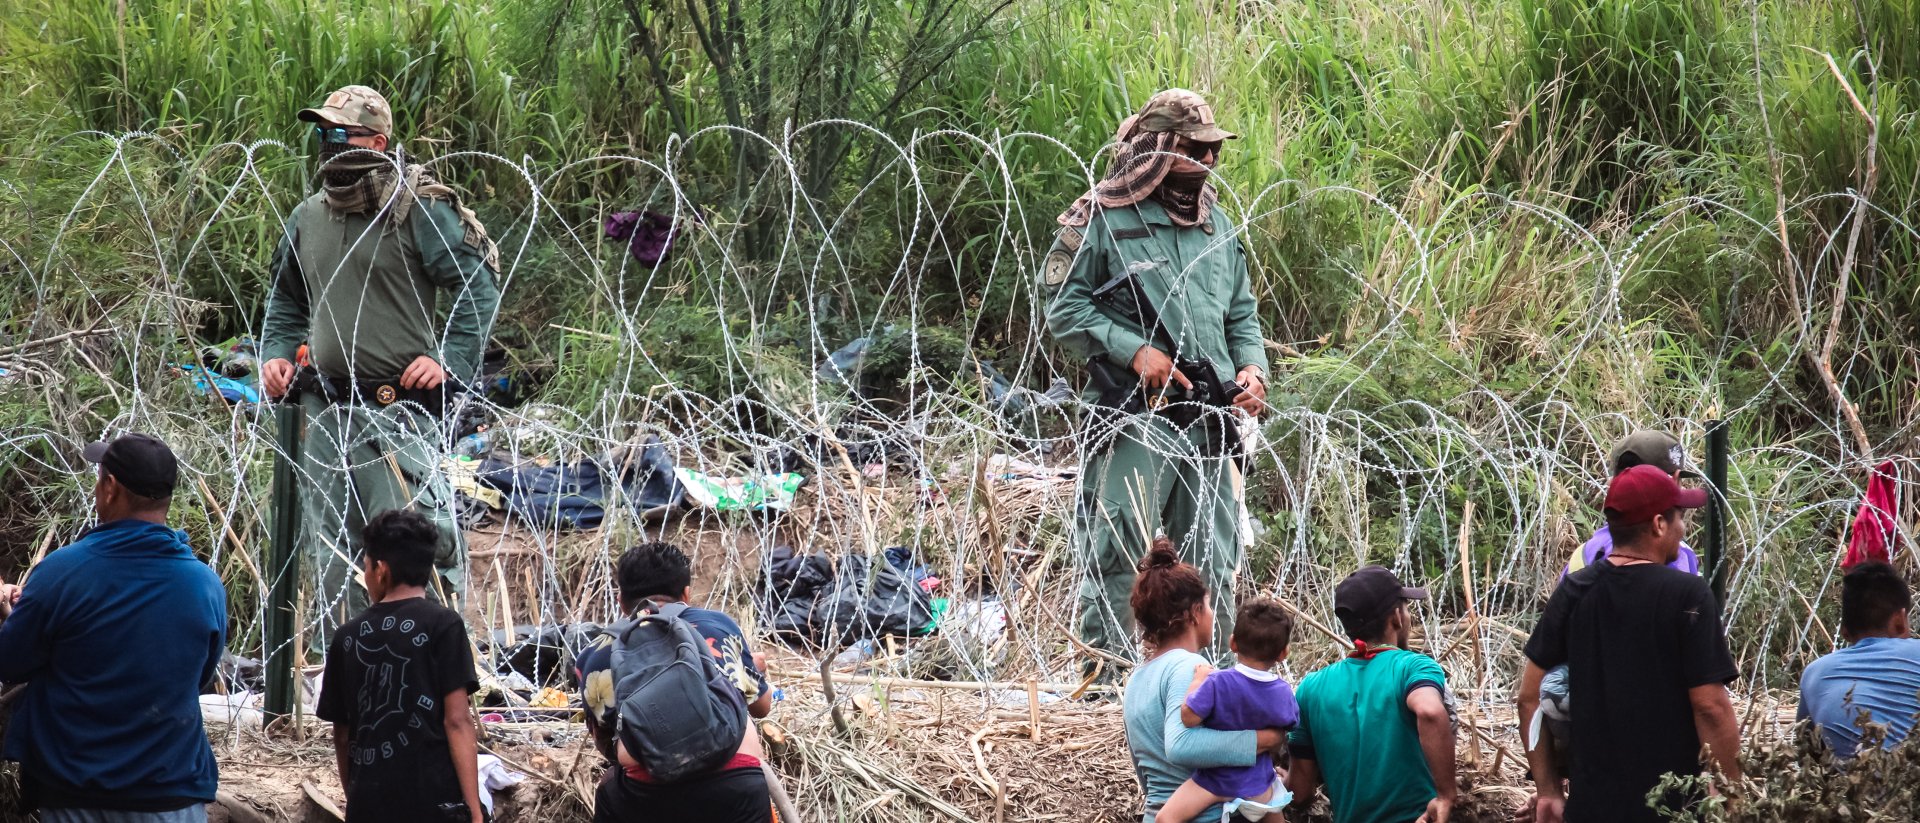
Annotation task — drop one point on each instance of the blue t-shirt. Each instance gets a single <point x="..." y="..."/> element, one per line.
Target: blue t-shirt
<point x="1880" y="675"/>
<point x="1233" y="700"/>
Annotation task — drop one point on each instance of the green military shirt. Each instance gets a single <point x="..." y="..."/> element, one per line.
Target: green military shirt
<point x="1196" y="278"/>
<point x="367" y="299"/>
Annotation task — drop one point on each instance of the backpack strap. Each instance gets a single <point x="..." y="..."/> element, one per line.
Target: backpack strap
<point x="667" y="613"/>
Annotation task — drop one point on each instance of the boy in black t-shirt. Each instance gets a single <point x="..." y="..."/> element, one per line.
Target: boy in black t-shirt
<point x="396" y="688"/>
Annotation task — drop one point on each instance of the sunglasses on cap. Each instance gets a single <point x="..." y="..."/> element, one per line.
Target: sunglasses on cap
<point x="340" y="134"/>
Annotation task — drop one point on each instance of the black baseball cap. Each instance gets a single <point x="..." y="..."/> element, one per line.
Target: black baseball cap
<point x="139" y="462"/>
<point x="1650" y="447"/>
<point x="1369" y="593"/>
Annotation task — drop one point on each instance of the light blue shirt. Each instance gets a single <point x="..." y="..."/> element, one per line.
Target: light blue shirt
<point x="1165" y="751"/>
<point x="1878" y="675"/>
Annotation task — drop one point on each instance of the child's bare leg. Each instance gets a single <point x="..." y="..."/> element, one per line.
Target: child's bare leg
<point x="1187" y="803"/>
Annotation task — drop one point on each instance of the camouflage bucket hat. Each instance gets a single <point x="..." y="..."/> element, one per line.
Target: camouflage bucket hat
<point x="1183" y="112"/>
<point x="354" y="106"/>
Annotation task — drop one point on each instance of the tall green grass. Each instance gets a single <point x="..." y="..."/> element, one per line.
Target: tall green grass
<point x="1601" y="109"/>
<point x="1650" y="124"/>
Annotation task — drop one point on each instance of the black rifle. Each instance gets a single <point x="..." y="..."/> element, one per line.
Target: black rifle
<point x="1119" y="389"/>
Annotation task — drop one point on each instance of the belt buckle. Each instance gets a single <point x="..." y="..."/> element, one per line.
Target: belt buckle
<point x="385" y="395"/>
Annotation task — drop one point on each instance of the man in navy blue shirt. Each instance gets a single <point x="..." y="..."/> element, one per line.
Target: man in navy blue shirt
<point x="1878" y="675"/>
<point x="113" y="636"/>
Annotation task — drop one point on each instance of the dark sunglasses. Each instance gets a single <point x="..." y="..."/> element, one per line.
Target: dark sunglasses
<point x="340" y="134"/>
<point x="1199" y="151"/>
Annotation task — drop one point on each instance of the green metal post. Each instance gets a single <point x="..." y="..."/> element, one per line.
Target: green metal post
<point x="1716" y="531"/>
<point x="284" y="652"/>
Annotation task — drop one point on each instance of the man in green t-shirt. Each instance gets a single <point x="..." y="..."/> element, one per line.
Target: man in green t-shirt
<point x="358" y="276"/>
<point x="1376" y="727"/>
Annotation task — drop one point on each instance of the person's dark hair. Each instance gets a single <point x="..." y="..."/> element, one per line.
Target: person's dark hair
<point x="1627" y="534"/>
<point x="1165" y="593"/>
<point x="405" y="540"/>
<point x="1262" y="629"/>
<point x="651" y="570"/>
<point x="1370" y="629"/>
<point x="151" y="504"/>
<point x="144" y="504"/>
<point x="1870" y="595"/>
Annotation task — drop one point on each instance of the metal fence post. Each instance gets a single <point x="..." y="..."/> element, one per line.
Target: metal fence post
<point x="284" y="654"/>
<point x="1716" y="531"/>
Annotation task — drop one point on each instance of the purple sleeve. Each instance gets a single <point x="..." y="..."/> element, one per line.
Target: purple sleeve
<point x="1688" y="561"/>
<point x="1590" y="552"/>
<point x="1203" y="699"/>
<point x="1289" y="709"/>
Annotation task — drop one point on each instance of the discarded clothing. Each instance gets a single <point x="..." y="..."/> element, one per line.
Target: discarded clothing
<point x="495" y="776"/>
<point x="650" y="234"/>
<point x="462" y="476"/>
<point x="1011" y="400"/>
<point x="902" y="559"/>
<point x="843" y="367"/>
<point x="574" y="495"/>
<point x="829" y="603"/>
<point x="543" y="655"/>
<point x="1873" y="528"/>
<point x="232" y="390"/>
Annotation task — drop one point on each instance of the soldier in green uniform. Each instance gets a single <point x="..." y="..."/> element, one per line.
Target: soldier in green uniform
<point x="1148" y="279"/>
<point x="359" y="273"/>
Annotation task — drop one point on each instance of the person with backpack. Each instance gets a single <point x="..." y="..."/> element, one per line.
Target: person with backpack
<point x="396" y="688"/>
<point x="668" y="693"/>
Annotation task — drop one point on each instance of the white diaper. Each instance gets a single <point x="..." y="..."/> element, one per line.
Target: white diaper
<point x="1253" y="810"/>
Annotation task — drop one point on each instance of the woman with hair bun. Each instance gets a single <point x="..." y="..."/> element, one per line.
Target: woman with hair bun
<point x="1170" y="607"/>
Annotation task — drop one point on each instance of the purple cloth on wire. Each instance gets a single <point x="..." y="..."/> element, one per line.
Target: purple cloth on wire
<point x="649" y="234"/>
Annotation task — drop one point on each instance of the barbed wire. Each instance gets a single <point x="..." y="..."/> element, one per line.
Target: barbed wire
<point x="1348" y="475"/>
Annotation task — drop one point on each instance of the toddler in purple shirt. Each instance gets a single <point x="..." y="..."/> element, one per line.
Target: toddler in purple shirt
<point x="1247" y="697"/>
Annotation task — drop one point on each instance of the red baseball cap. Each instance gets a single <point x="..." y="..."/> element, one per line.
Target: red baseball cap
<point x="1644" y="492"/>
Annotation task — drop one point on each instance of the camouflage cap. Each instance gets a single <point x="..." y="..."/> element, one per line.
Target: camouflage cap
<point x="1183" y="112"/>
<point x="1654" y="448"/>
<point x="354" y="106"/>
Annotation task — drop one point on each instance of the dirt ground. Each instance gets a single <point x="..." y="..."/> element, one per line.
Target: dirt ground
<point x="277" y="777"/>
<point x="977" y="753"/>
<point x="909" y="751"/>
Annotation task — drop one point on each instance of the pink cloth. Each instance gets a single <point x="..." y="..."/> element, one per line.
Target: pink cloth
<point x="1873" y="531"/>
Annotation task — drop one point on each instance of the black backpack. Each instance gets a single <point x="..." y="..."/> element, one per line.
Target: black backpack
<point x="679" y="714"/>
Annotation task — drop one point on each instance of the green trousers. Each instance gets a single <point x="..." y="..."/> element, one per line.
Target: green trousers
<point x="1149" y="479"/>
<point x="356" y="462"/>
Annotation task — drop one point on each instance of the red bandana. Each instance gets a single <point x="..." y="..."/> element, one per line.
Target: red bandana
<point x="1361" y="651"/>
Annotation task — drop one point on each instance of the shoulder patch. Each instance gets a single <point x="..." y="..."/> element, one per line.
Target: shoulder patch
<point x="1071" y="238"/>
<point x="1054" y="271"/>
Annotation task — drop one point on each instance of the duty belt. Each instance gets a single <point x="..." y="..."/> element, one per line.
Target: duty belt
<point x="380" y="393"/>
